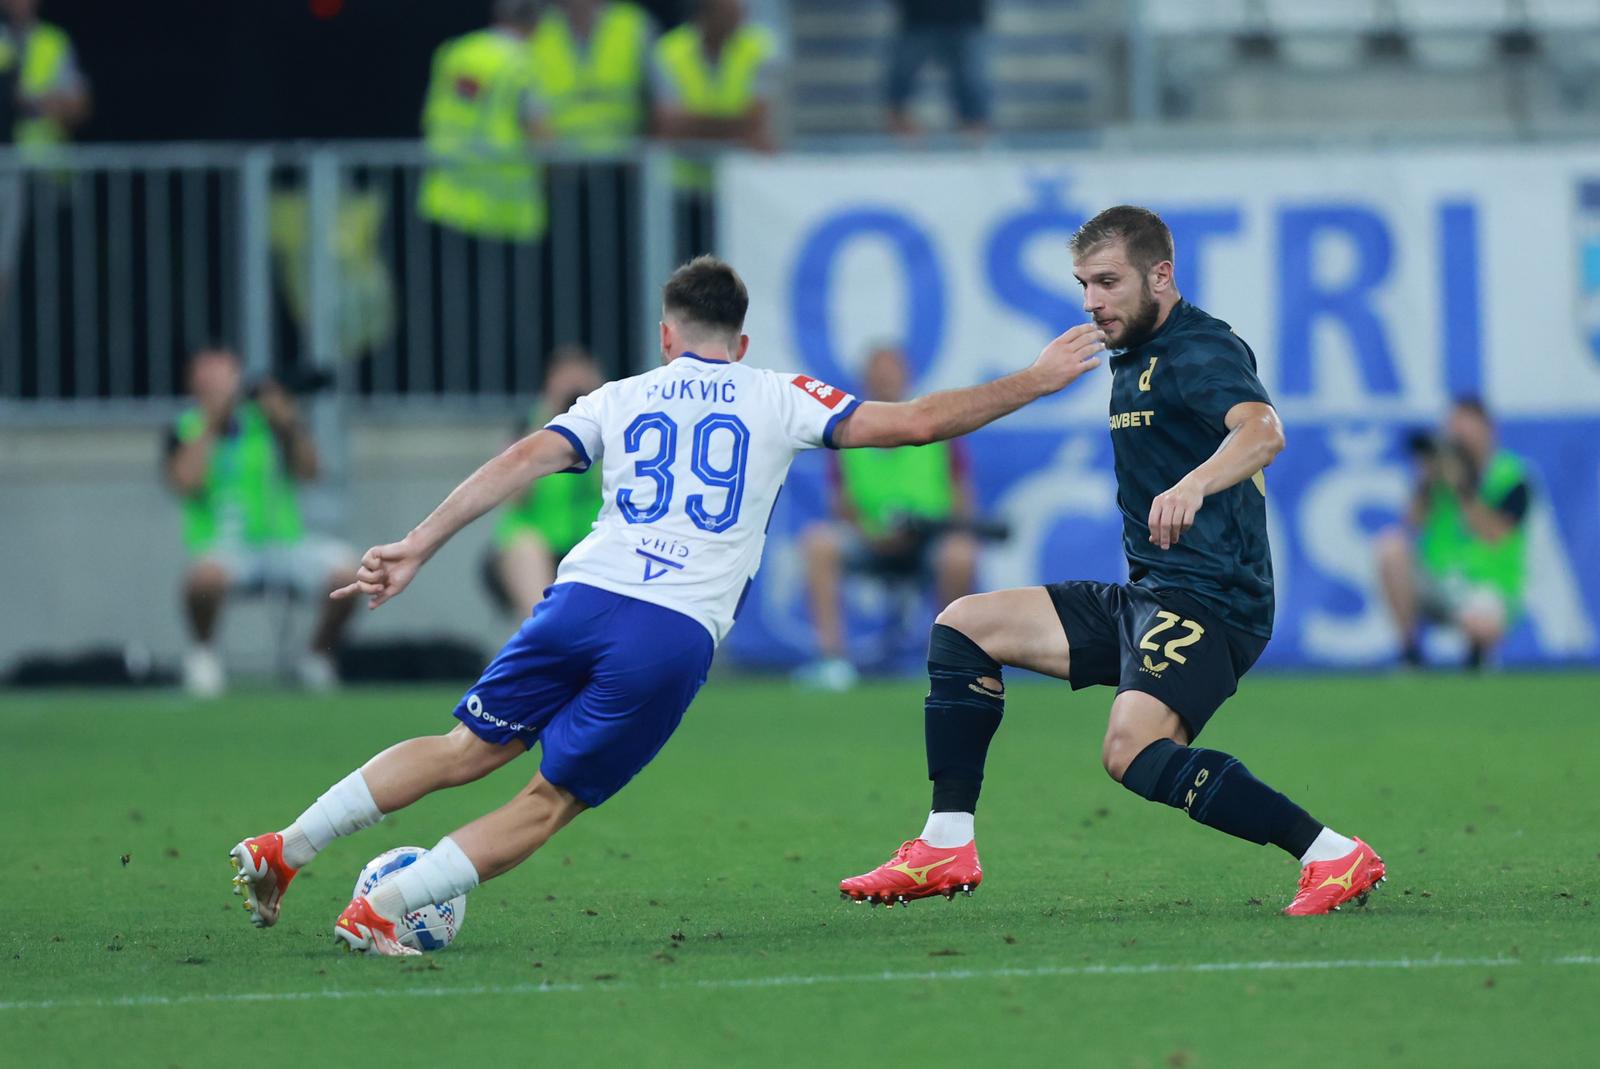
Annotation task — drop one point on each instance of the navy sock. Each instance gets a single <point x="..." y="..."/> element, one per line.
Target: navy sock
<point x="1219" y="792"/>
<point x="960" y="717"/>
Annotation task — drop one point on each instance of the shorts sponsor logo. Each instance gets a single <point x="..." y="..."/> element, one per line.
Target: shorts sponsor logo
<point x="476" y="710"/>
<point x="828" y="396"/>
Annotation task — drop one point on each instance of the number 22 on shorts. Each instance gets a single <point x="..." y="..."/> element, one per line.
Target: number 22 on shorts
<point x="1169" y="620"/>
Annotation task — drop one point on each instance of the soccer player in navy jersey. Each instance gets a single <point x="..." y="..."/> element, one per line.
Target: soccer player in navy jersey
<point x="1192" y="430"/>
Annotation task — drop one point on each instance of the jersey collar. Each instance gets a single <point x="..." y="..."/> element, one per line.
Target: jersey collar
<point x="687" y="355"/>
<point x="1179" y="311"/>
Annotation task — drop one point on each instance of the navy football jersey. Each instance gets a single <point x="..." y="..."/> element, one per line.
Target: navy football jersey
<point x="1169" y="397"/>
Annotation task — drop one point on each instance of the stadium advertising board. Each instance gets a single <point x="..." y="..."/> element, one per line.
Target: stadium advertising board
<point x="1373" y="287"/>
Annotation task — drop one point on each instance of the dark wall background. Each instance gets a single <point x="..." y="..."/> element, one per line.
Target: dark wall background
<point x="257" y="69"/>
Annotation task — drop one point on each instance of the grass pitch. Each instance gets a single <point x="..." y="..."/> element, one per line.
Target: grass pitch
<point x="694" y="920"/>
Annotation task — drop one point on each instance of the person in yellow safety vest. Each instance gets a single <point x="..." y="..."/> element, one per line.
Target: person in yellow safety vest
<point x="714" y="81"/>
<point x="897" y="514"/>
<point x="589" y="64"/>
<point x="53" y="95"/>
<point x="479" y="120"/>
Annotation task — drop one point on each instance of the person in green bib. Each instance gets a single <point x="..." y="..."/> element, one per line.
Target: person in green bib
<point x="233" y="458"/>
<point x="536" y="530"/>
<point x="1461" y="557"/>
<point x="897" y="513"/>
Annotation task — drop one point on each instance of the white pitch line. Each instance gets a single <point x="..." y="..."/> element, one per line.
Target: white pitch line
<point x="1040" y="972"/>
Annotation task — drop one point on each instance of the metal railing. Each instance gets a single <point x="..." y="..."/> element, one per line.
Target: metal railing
<point x="116" y="263"/>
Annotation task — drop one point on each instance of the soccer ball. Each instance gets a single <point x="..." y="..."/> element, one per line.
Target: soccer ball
<point x="428" y="928"/>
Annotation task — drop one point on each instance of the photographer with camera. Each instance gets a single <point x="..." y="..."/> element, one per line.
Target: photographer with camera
<point x="1460" y="558"/>
<point x="898" y="513"/>
<point x="233" y="458"/>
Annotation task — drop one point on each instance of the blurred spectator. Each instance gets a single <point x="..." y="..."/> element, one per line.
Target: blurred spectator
<point x="1460" y="558"/>
<point x="52" y="93"/>
<point x="11" y="182"/>
<point x="535" y="531"/>
<point x="897" y="513"/>
<point x="480" y="113"/>
<point x="10" y="75"/>
<point x="45" y="98"/>
<point x="233" y="458"/>
<point x="950" y="33"/>
<point x="714" y="82"/>
<point x="589" y="62"/>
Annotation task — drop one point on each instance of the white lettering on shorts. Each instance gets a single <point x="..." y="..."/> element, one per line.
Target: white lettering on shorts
<point x="475" y="708"/>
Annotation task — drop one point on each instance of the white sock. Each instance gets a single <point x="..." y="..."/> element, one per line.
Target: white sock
<point x="1328" y="845"/>
<point x="947" y="829"/>
<point x="343" y="809"/>
<point x="437" y="876"/>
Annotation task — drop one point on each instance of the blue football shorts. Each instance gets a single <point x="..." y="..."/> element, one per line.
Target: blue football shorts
<point x="599" y="680"/>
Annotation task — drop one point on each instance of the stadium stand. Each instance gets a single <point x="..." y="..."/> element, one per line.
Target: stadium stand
<point x="1052" y="65"/>
<point x="1486" y="65"/>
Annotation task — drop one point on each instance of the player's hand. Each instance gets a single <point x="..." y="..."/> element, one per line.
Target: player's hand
<point x="1172" y="513"/>
<point x="384" y="572"/>
<point x="1070" y="355"/>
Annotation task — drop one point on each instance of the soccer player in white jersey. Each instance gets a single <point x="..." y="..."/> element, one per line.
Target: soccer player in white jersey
<point x="693" y="455"/>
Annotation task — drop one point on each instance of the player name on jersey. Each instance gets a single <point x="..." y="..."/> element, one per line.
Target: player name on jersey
<point x="692" y="456"/>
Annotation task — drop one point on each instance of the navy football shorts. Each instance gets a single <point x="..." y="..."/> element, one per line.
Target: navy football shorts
<point x="1156" y="641"/>
<point x="599" y="680"/>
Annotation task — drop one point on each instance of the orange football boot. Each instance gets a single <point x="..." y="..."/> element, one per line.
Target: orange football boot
<point x="262" y="877"/>
<point x="917" y="870"/>
<point x="1327" y="885"/>
<point x="364" y="930"/>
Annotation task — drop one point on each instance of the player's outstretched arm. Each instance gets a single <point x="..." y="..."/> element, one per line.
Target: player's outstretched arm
<point x="386" y="570"/>
<point x="952" y="413"/>
<point x="1255" y="438"/>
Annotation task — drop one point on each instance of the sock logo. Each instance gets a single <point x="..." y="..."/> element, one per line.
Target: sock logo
<point x="1199" y="781"/>
<point x="980" y="687"/>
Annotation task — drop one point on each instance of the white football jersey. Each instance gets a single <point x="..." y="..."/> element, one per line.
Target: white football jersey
<point x="692" y="457"/>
